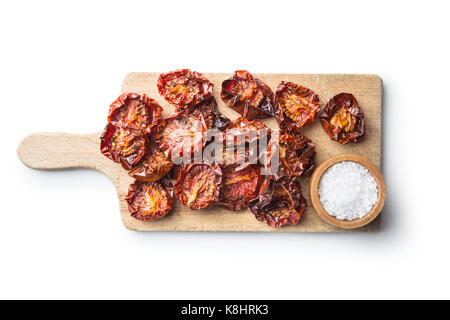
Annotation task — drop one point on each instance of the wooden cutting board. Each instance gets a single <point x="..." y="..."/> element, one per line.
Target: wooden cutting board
<point x="51" y="151"/>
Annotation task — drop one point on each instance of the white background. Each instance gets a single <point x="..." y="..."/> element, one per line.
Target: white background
<point x="62" y="64"/>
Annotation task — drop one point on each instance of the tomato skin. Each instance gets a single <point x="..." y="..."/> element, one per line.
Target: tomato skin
<point x="295" y="106"/>
<point x="153" y="166"/>
<point x="184" y="87"/>
<point x="198" y="185"/>
<point x="247" y="95"/>
<point x="343" y="119"/>
<point x="279" y="203"/>
<point x="123" y="144"/>
<point x="150" y="200"/>
<point x="132" y="109"/>
<point x="239" y="186"/>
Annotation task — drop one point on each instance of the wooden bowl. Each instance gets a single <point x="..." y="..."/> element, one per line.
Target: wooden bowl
<point x="345" y="224"/>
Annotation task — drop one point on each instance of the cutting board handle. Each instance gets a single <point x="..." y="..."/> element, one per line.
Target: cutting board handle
<point x="52" y="151"/>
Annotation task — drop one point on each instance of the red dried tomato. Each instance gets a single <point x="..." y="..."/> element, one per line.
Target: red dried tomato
<point x="296" y="156"/>
<point x="249" y="96"/>
<point x="150" y="200"/>
<point x="243" y="127"/>
<point x="198" y="185"/>
<point x="213" y="117"/>
<point x="235" y="155"/>
<point x="123" y="144"/>
<point x="295" y="106"/>
<point x="152" y="167"/>
<point x="185" y="130"/>
<point x="279" y="204"/>
<point x="240" y="143"/>
<point x="239" y="187"/>
<point x="141" y="112"/>
<point x="342" y="119"/>
<point x="184" y="87"/>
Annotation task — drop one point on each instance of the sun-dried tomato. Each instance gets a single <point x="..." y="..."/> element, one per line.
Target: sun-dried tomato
<point x="198" y="185"/>
<point x="245" y="125"/>
<point x="181" y="132"/>
<point x="238" y="156"/>
<point x="123" y="144"/>
<point x="239" y="186"/>
<point x="279" y="203"/>
<point x="240" y="143"/>
<point x="213" y="117"/>
<point x="295" y="106"/>
<point x="296" y="156"/>
<point x="184" y="87"/>
<point x="342" y="119"/>
<point x="249" y="96"/>
<point x="153" y="166"/>
<point x="150" y="200"/>
<point x="247" y="129"/>
<point x="132" y="109"/>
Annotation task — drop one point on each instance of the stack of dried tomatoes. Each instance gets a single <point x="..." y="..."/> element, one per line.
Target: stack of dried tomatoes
<point x="156" y="150"/>
<point x="126" y="140"/>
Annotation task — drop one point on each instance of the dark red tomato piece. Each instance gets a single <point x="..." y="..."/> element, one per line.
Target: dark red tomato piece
<point x="213" y="117"/>
<point x="249" y="96"/>
<point x="135" y="110"/>
<point x="183" y="131"/>
<point x="279" y="204"/>
<point x="239" y="187"/>
<point x="123" y="144"/>
<point x="296" y="156"/>
<point x="152" y="167"/>
<point x="244" y="125"/>
<point x="184" y="87"/>
<point x="237" y="156"/>
<point x="295" y="106"/>
<point x="248" y="129"/>
<point x="150" y="200"/>
<point x="198" y="185"/>
<point x="342" y="119"/>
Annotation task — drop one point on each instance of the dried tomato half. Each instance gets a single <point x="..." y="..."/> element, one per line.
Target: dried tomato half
<point x="198" y="185"/>
<point x="185" y="130"/>
<point x="238" y="156"/>
<point x="150" y="200"/>
<point x="249" y="96"/>
<point x="243" y="127"/>
<point x="184" y="87"/>
<point x="295" y="106"/>
<point x="342" y="119"/>
<point x="296" y="156"/>
<point x="123" y="144"/>
<point x="213" y="117"/>
<point x="152" y="167"/>
<point x="135" y="110"/>
<point x="239" y="186"/>
<point x="280" y="204"/>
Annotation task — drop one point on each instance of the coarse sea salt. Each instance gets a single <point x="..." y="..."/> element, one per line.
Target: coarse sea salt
<point x="347" y="190"/>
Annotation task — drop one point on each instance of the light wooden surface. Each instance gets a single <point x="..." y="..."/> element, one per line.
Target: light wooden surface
<point x="51" y="151"/>
<point x="314" y="194"/>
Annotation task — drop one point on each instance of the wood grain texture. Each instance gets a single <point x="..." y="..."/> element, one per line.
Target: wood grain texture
<point x="49" y="151"/>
